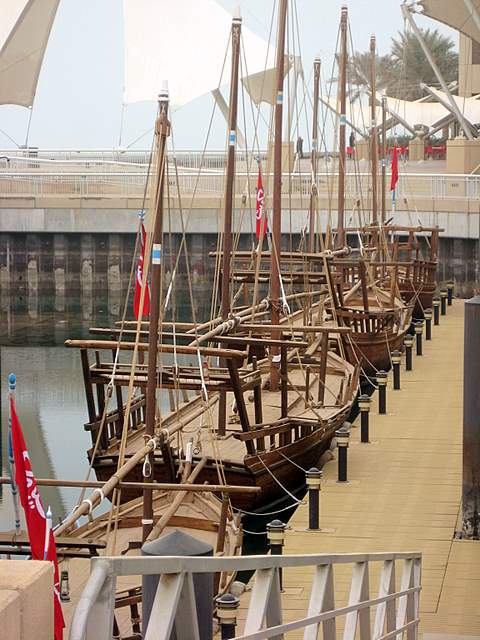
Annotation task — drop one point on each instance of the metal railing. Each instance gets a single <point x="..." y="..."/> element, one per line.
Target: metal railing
<point x="114" y="183"/>
<point x="390" y="614"/>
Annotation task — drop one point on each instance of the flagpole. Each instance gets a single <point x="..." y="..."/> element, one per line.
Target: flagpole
<point x="12" y="384"/>
<point x="48" y="529"/>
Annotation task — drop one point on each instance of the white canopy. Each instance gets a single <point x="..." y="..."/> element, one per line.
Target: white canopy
<point x="469" y="107"/>
<point x="414" y="114"/>
<point x="24" y="30"/>
<point x="183" y="42"/>
<point x="453" y="13"/>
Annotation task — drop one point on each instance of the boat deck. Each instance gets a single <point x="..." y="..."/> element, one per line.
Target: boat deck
<point x="404" y="493"/>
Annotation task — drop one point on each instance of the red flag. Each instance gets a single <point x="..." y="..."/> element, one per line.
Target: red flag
<point x="393" y="183"/>
<point x="261" y="227"/>
<point x="138" y="284"/>
<point x="34" y="513"/>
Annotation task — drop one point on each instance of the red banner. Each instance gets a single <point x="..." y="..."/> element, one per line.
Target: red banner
<point x="261" y="219"/>
<point x="34" y="513"/>
<point x="138" y="283"/>
<point x="393" y="183"/>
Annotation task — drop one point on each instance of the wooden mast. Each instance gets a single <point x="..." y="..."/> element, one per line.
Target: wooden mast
<point x="340" y="240"/>
<point x="275" y="289"/>
<point x="384" y="158"/>
<point x="161" y="131"/>
<point x="313" y="194"/>
<point x="373" y="135"/>
<point x="228" y="207"/>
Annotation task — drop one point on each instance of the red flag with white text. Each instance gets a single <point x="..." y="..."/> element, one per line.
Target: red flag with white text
<point x="393" y="183"/>
<point x="34" y="514"/>
<point x="138" y="283"/>
<point x="261" y="218"/>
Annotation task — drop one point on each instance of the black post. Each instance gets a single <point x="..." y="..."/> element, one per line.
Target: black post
<point x="342" y="435"/>
<point x="364" y="403"/>
<point x="443" y="301"/>
<point x="418" y="335"/>
<point x="382" y="392"/>
<point x="227" y="606"/>
<point x="427" y="314"/>
<point x="471" y="421"/>
<point x="436" y="311"/>
<point x="408" y="342"/>
<point x="314" y="477"/>
<point x="396" y="360"/>
<point x="450" y="288"/>
<point x="276" y="539"/>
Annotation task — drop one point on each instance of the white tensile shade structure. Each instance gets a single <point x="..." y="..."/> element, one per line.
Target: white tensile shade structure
<point x="183" y="42"/>
<point x="24" y="31"/>
<point x="470" y="107"/>
<point x="411" y="114"/>
<point x="455" y="14"/>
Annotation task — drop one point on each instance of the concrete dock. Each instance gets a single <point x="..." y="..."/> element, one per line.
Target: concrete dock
<point x="404" y="492"/>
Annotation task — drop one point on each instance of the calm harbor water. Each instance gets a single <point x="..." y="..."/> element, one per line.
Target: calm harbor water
<point x="50" y="396"/>
<point x="54" y="287"/>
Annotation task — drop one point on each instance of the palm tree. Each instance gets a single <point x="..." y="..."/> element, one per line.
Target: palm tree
<point x="401" y="71"/>
<point x="408" y="56"/>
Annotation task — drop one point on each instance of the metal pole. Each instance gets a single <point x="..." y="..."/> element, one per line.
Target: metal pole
<point x="12" y="384"/>
<point x="342" y="435"/>
<point x="364" y="403"/>
<point x="427" y="314"/>
<point x="382" y="392"/>
<point x="418" y="335"/>
<point x="276" y="539"/>
<point x="436" y="311"/>
<point x="471" y="421"/>
<point x="408" y="342"/>
<point x="227" y="607"/>
<point x="443" y="301"/>
<point x="408" y="16"/>
<point x="313" y="477"/>
<point x="450" y="288"/>
<point x="396" y="359"/>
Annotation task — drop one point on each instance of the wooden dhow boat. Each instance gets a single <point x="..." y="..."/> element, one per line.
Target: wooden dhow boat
<point x="271" y="393"/>
<point x="363" y="298"/>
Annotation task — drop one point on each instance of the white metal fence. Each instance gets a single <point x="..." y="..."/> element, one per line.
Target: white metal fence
<point x="391" y="613"/>
<point x="115" y="183"/>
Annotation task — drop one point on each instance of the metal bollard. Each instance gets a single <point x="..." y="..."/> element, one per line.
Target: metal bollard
<point x="428" y="313"/>
<point x="342" y="435"/>
<point x="227" y="606"/>
<point x="382" y="392"/>
<point x="64" y="587"/>
<point x="276" y="539"/>
<point x="364" y="403"/>
<point x="436" y="311"/>
<point x="396" y="360"/>
<point x="314" y="477"/>
<point x="418" y="334"/>
<point x="408" y="342"/>
<point x="443" y="301"/>
<point x="450" y="288"/>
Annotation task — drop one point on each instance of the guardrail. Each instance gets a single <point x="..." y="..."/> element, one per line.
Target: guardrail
<point x="38" y="182"/>
<point x="133" y="158"/>
<point x="388" y="615"/>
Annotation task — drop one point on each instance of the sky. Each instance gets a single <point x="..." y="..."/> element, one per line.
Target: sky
<point x="79" y="95"/>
